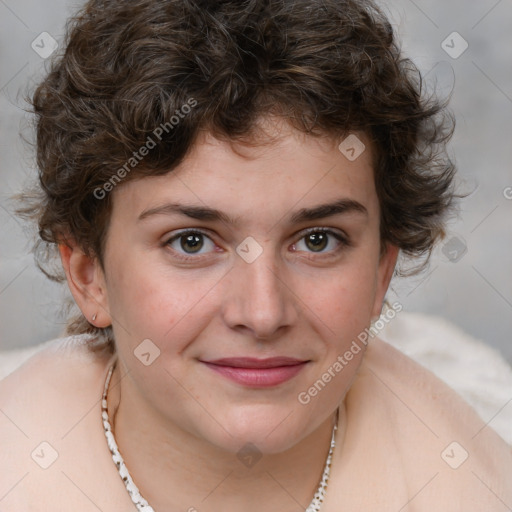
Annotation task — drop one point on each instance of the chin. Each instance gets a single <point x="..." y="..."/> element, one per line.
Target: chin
<point x="264" y="428"/>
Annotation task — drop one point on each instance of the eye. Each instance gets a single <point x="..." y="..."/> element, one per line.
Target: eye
<point x="321" y="241"/>
<point x="190" y="242"/>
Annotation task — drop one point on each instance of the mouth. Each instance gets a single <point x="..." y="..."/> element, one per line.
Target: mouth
<point x="257" y="373"/>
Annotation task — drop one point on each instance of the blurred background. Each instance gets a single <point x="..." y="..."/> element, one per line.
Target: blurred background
<point x="462" y="47"/>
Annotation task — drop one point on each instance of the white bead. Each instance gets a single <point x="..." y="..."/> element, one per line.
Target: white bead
<point x="142" y="505"/>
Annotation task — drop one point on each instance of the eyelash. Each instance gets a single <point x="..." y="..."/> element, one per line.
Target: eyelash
<point x="343" y="240"/>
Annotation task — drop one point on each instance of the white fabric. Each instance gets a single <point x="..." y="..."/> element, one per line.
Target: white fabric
<point x="475" y="370"/>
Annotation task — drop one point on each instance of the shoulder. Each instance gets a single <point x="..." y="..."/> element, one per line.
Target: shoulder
<point x="477" y="371"/>
<point x="50" y="376"/>
<point x="446" y="450"/>
<point x="49" y="410"/>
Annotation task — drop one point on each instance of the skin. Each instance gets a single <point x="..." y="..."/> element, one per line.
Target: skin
<point x="178" y="424"/>
<point x="291" y="301"/>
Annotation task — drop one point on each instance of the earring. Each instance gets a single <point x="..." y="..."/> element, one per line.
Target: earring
<point x="94" y="317"/>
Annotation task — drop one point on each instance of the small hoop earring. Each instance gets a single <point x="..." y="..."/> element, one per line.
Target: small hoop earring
<point x="94" y="317"/>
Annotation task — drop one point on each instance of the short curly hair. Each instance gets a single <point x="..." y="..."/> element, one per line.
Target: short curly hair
<point x="328" y="67"/>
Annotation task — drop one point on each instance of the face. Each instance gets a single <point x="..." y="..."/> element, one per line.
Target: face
<point x="251" y="272"/>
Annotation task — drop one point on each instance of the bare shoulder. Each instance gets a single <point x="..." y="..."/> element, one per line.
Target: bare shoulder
<point x="52" y="378"/>
<point x="49" y="427"/>
<point x="449" y="455"/>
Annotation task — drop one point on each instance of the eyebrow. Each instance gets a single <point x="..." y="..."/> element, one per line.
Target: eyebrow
<point x="341" y="206"/>
<point x="328" y="210"/>
<point x="194" y="212"/>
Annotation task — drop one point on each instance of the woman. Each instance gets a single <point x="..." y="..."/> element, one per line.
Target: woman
<point x="229" y="186"/>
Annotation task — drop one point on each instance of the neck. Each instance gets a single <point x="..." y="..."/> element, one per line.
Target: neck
<point x="175" y="470"/>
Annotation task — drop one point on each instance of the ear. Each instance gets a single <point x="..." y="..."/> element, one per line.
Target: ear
<point x="86" y="282"/>
<point x="385" y="271"/>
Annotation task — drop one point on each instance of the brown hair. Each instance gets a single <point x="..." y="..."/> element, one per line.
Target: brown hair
<point x="130" y="68"/>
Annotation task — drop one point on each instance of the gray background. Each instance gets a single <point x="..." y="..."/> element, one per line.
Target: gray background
<point x="473" y="291"/>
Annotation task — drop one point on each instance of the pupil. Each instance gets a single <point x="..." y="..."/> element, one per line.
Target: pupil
<point x="192" y="243"/>
<point x="316" y="241"/>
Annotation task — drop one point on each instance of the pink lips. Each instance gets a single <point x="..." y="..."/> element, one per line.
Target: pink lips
<point x="259" y="373"/>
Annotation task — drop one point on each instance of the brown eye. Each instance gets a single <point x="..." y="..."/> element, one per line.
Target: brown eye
<point x="317" y="242"/>
<point x="321" y="241"/>
<point x="192" y="243"/>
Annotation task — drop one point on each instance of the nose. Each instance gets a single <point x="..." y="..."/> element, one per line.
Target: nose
<point x="258" y="299"/>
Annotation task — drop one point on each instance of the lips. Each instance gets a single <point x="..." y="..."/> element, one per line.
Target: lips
<point x="252" y="362"/>
<point x="254" y="372"/>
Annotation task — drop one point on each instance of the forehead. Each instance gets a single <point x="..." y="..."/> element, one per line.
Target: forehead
<point x="289" y="170"/>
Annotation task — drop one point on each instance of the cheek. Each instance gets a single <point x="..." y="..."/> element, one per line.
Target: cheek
<point x="343" y="301"/>
<point x="148" y="301"/>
